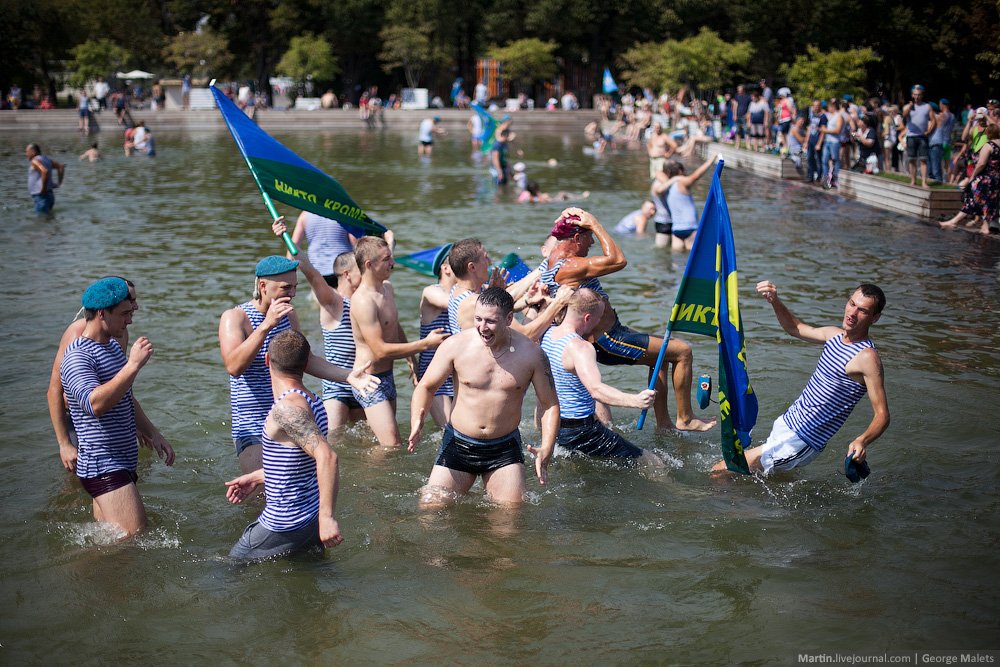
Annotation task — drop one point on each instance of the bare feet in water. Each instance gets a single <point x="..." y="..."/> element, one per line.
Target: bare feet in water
<point x="695" y="424"/>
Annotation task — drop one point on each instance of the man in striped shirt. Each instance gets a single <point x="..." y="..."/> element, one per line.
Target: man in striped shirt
<point x="848" y="368"/>
<point x="97" y="381"/>
<point x="244" y="335"/>
<point x="578" y="383"/>
<point x="300" y="473"/>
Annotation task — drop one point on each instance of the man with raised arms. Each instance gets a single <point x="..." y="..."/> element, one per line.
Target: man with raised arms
<point x="492" y="366"/>
<point x="848" y="368"/>
<point x="97" y="380"/>
<point x="333" y="293"/>
<point x="578" y="383"/>
<point x="379" y="337"/>
<point x="300" y="473"/>
<point x="614" y="343"/>
<point x="433" y="316"/>
<point x="245" y="332"/>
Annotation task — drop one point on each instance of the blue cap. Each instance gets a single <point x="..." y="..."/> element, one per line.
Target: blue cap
<point x="437" y="119"/>
<point x="505" y="118"/>
<point x="848" y="97"/>
<point x="439" y="259"/>
<point x="275" y="265"/>
<point x="822" y="104"/>
<point x="105" y="293"/>
<point x="944" y="100"/>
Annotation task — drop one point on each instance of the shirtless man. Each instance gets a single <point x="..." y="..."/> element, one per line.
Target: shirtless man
<point x="578" y="383"/>
<point x="492" y="366"/>
<point x="659" y="147"/>
<point x="300" y="473"/>
<point x="245" y="332"/>
<point x="848" y="368"/>
<point x="615" y="344"/>
<point x="379" y="337"/>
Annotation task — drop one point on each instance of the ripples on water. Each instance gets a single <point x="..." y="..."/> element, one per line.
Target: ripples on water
<point x="604" y="564"/>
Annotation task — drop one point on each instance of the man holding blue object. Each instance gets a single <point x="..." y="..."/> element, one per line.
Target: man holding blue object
<point x="578" y="383"/>
<point x="848" y="368"/>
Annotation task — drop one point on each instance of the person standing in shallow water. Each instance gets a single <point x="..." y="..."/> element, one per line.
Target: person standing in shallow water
<point x="491" y="366"/>
<point x="300" y="472"/>
<point x="97" y="381"/>
<point x="41" y="180"/>
<point x="848" y="368"/>
<point x="245" y="332"/>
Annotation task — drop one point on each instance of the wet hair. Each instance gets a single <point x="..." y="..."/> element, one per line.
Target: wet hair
<point x="873" y="292"/>
<point x="35" y="147"/>
<point x="585" y="301"/>
<point x="672" y="168"/>
<point x="367" y="249"/>
<point x="532" y="188"/>
<point x="289" y="352"/>
<point x="499" y="297"/>
<point x="463" y="252"/>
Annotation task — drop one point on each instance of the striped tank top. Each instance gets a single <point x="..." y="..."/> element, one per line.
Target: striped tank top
<point x="575" y="402"/>
<point x="442" y="321"/>
<point x="290" y="483"/>
<point x="454" y="301"/>
<point x="108" y="442"/>
<point x="250" y="396"/>
<point x="338" y="348"/>
<point x="829" y="396"/>
<point x="548" y="278"/>
<point x="327" y="239"/>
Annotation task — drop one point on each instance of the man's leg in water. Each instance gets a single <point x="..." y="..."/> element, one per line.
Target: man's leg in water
<point x="679" y="354"/>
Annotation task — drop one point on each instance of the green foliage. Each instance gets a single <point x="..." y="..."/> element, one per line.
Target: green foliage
<point x="199" y="53"/>
<point x="409" y="48"/>
<point x="94" y="58"/>
<point x="704" y="61"/>
<point x="527" y="60"/>
<point x="308" y="57"/>
<point x="821" y="75"/>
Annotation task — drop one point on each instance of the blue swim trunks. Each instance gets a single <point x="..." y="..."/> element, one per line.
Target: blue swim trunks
<point x="621" y="345"/>
<point x="385" y="391"/>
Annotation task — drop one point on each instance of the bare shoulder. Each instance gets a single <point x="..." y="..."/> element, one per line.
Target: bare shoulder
<point x="870" y="360"/>
<point x="235" y="317"/>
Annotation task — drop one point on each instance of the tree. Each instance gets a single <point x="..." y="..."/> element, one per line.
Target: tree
<point x="819" y="75"/>
<point x="200" y="53"/>
<point x="407" y="47"/>
<point x="527" y="60"/>
<point x="96" y="58"/>
<point x="704" y="61"/>
<point x="308" y="57"/>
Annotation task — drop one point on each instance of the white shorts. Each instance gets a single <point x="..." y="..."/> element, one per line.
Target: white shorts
<point x="784" y="450"/>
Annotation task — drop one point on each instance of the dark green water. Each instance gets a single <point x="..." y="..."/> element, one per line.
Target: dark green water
<point x="604" y="566"/>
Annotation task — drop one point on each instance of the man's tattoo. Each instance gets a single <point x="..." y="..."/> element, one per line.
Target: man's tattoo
<point x="548" y="371"/>
<point x="300" y="425"/>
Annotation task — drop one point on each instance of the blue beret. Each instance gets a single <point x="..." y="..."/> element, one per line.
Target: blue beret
<point x="105" y="293"/>
<point x="439" y="259"/>
<point x="275" y="265"/>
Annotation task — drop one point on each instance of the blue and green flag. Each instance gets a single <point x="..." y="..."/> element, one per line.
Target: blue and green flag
<point x="708" y="304"/>
<point x="489" y="127"/>
<point x="284" y="176"/>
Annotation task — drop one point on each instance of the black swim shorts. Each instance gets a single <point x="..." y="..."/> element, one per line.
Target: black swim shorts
<point x="477" y="457"/>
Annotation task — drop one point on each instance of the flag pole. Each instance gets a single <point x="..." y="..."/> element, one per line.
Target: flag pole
<point x="286" y="237"/>
<point x="656" y="369"/>
<point x="670" y="322"/>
